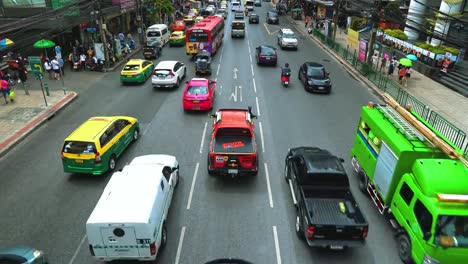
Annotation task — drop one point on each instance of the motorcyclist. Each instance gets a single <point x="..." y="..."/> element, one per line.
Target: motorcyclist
<point x="285" y="71"/>
<point x="246" y="11"/>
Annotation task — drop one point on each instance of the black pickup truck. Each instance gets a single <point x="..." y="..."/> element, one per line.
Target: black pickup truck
<point x="327" y="213"/>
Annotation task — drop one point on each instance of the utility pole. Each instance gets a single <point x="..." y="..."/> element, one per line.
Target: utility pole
<point x="375" y="20"/>
<point x="101" y="32"/>
<point x="140" y="20"/>
<point x="335" y="17"/>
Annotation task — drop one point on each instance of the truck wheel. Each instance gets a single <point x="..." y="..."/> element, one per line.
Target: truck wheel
<point x="363" y="181"/>
<point x="163" y="236"/>
<point x="404" y="249"/>
<point x="299" y="226"/>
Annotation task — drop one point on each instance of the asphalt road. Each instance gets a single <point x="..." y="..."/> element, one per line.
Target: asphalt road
<point x="252" y="218"/>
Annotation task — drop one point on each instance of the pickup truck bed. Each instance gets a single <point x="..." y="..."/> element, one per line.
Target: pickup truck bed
<point x="233" y="144"/>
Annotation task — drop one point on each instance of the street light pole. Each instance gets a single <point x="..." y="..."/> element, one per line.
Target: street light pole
<point x="101" y="32"/>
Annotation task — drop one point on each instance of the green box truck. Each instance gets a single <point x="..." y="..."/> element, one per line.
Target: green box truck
<point x="420" y="188"/>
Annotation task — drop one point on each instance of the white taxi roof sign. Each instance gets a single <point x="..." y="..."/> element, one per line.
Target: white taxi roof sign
<point x="458" y="198"/>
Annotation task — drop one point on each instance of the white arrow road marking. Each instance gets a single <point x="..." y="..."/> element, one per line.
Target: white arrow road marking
<point x="261" y="136"/>
<point x="179" y="247"/>
<point x="203" y="137"/>
<point x="235" y="73"/>
<point x="277" y="249"/>
<point x="240" y="93"/>
<point x="234" y="94"/>
<point x="189" y="202"/>
<point x="258" y="108"/>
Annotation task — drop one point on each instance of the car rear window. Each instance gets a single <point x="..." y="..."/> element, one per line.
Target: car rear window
<point x="154" y="34"/>
<point x="79" y="147"/>
<point x="131" y="67"/>
<point x="272" y="14"/>
<point x="176" y="34"/>
<point x="197" y="90"/>
<point x="162" y="73"/>
<point x="238" y="25"/>
<point x="268" y="51"/>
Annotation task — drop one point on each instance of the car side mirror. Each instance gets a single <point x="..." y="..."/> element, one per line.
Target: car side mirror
<point x="212" y="116"/>
<point x="328" y="74"/>
<point x="175" y="168"/>
<point x="166" y="171"/>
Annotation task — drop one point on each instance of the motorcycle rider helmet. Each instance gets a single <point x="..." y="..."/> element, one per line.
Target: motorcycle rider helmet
<point x="286" y="65"/>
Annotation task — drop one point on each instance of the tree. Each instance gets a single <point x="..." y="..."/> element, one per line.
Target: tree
<point x="157" y="9"/>
<point x="392" y="10"/>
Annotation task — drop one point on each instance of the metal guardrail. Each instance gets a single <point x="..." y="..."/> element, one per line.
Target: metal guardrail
<point x="442" y="125"/>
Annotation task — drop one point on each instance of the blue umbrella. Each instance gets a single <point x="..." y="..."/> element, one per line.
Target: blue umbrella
<point x="412" y="57"/>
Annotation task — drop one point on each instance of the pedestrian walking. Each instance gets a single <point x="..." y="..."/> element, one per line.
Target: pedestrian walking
<point x="408" y="73"/>
<point x="374" y="60"/>
<point x="56" y="68"/>
<point x="306" y="21"/>
<point x="383" y="63"/>
<point x="83" y="61"/>
<point x="5" y="90"/>
<point x="391" y="68"/>
<point x="402" y="74"/>
<point x="70" y="59"/>
<point x="62" y="68"/>
<point x="48" y="68"/>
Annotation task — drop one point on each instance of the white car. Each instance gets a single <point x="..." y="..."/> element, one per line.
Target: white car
<point x="235" y="6"/>
<point x="168" y="74"/>
<point x="287" y="39"/>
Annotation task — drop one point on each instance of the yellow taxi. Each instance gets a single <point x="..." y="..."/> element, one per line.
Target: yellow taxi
<point x="95" y="146"/>
<point x="136" y="70"/>
<point x="177" y="38"/>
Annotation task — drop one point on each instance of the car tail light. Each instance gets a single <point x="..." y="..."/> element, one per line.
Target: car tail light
<point x="365" y="231"/>
<point x="310" y="231"/>
<point x="97" y="158"/>
<point x="153" y="248"/>
<point x="91" y="250"/>
<point x="247" y="161"/>
<point x="172" y="73"/>
<point x="261" y="56"/>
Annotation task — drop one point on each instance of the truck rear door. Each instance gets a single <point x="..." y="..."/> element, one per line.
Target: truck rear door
<point x="120" y="242"/>
<point x="339" y="233"/>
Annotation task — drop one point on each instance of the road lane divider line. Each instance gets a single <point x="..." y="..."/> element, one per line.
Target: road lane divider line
<point x="261" y="136"/>
<point x="240" y="93"/>
<point x="179" y="246"/>
<point x="189" y="202"/>
<point x="251" y="68"/>
<point x="267" y="175"/>
<point x="258" y="108"/>
<point x="220" y="90"/>
<point x="217" y="71"/>
<point x="277" y="249"/>
<point x="249" y="49"/>
<point x="77" y="250"/>
<point x="203" y="138"/>
<point x="254" y="85"/>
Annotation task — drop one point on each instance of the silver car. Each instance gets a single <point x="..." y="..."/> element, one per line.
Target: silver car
<point x="287" y="39"/>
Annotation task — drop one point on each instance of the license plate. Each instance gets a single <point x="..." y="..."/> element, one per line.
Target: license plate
<point x="336" y="247"/>
<point x="268" y="58"/>
<point x="79" y="161"/>
<point x="321" y="88"/>
<point x="195" y="108"/>
<point x="196" y="101"/>
<point x="231" y="171"/>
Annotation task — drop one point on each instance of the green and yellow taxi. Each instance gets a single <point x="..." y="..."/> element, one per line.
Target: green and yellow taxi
<point x="95" y="146"/>
<point x="177" y="38"/>
<point x="136" y="70"/>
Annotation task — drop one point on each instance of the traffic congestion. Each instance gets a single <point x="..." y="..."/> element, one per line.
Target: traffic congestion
<point x="225" y="141"/>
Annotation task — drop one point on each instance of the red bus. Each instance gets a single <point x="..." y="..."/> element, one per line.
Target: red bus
<point x="207" y="35"/>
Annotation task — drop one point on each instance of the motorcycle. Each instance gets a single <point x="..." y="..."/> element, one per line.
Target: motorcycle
<point x="11" y="81"/>
<point x="99" y="66"/>
<point x="285" y="79"/>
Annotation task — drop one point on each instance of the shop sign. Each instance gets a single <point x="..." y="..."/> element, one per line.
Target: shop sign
<point x="125" y="5"/>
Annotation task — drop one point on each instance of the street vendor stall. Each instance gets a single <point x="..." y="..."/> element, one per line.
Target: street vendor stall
<point x="296" y="13"/>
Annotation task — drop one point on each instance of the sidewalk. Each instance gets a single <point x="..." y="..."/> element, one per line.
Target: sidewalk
<point x="442" y="100"/>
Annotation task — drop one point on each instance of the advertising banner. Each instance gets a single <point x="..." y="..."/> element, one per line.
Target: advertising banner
<point x="99" y="51"/>
<point x="353" y="38"/>
<point x="362" y="50"/>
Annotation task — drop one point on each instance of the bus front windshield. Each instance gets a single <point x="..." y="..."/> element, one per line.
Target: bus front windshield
<point x="198" y="37"/>
<point x="452" y="231"/>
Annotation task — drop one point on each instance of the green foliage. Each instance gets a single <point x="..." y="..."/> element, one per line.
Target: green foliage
<point x="392" y="10"/>
<point x="157" y="8"/>
<point x="358" y="24"/>
<point x="437" y="49"/>
<point x="396" y="33"/>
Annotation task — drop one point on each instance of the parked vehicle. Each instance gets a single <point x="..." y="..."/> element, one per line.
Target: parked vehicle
<point x="314" y="77"/>
<point x="168" y="74"/>
<point x="199" y="95"/>
<point x="233" y="149"/>
<point x="418" y="183"/>
<point x="203" y="63"/>
<point x="327" y="213"/>
<point x="22" y="255"/>
<point x="129" y="221"/>
<point x="95" y="146"/>
<point x="266" y="55"/>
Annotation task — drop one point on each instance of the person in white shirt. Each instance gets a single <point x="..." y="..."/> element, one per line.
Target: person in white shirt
<point x="48" y="68"/>
<point x="56" y="68"/>
<point x="83" y="61"/>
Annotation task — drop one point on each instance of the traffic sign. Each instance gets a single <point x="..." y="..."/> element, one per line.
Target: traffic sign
<point x="36" y="65"/>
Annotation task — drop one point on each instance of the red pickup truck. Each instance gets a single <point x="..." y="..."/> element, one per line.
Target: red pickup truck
<point x="233" y="150"/>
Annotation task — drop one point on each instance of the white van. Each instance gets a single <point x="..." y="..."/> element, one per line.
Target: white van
<point x="158" y="32"/>
<point x="129" y="220"/>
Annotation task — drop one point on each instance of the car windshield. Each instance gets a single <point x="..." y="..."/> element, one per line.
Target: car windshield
<point x="78" y="147"/>
<point x="314" y="72"/>
<point x="272" y="14"/>
<point x="180" y="23"/>
<point x="289" y="35"/>
<point x="268" y="51"/>
<point x="198" y="37"/>
<point x="197" y="90"/>
<point x="452" y="231"/>
<point x="154" y="34"/>
<point x="131" y="67"/>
